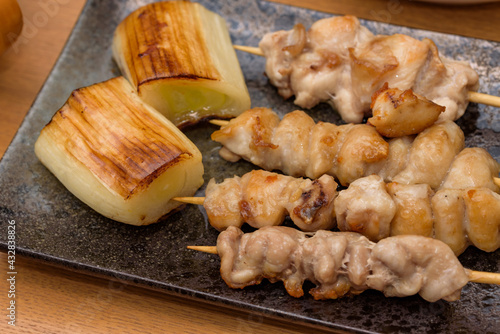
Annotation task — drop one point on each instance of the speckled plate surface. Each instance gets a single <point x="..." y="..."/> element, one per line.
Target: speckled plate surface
<point x="52" y="225"/>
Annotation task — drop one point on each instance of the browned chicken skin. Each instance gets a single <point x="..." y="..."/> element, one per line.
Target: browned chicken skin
<point x="397" y="113"/>
<point x="340" y="263"/>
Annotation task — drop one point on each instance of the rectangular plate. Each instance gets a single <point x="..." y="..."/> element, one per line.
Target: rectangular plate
<point x="53" y="225"/>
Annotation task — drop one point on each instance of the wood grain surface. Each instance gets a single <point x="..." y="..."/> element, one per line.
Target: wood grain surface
<point x="479" y="21"/>
<point x="54" y="300"/>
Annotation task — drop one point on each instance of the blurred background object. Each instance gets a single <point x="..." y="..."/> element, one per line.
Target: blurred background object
<point x="459" y="2"/>
<point x="11" y="23"/>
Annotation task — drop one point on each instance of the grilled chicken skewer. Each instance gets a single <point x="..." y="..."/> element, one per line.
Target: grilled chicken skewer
<point x="464" y="211"/>
<point x="340" y="62"/>
<point x="472" y="96"/>
<point x="298" y="146"/>
<point x="343" y="263"/>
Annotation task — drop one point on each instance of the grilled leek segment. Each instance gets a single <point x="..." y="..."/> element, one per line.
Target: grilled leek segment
<point x="119" y="155"/>
<point x="180" y="58"/>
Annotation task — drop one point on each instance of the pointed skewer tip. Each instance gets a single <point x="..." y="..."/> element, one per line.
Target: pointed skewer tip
<point x="497" y="181"/>
<point x="190" y="200"/>
<point x="249" y="49"/>
<point x="204" y="249"/>
<point x="219" y="122"/>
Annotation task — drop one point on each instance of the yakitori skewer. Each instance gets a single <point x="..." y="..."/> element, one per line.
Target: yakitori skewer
<point x="299" y="146"/>
<point x="343" y="263"/>
<point x="222" y="123"/>
<point x="474" y="276"/>
<point x="312" y="65"/>
<point x="398" y="113"/>
<point x="474" y="97"/>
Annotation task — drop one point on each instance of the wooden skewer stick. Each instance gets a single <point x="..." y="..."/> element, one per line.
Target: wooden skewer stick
<point x="190" y="200"/>
<point x="484" y="99"/>
<point x="497" y="181"/>
<point x="249" y="49"/>
<point x="480" y="277"/>
<point x="474" y="276"/>
<point x="474" y="97"/>
<point x="219" y="122"/>
<point x="204" y="249"/>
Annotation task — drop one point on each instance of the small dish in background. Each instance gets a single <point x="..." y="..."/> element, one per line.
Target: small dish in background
<point x="459" y="2"/>
<point x="11" y="23"/>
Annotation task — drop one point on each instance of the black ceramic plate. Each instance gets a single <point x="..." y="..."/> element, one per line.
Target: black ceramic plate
<point x="53" y="225"/>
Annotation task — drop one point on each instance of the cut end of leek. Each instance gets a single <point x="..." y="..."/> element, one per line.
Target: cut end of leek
<point x="180" y="58"/>
<point x="119" y="155"/>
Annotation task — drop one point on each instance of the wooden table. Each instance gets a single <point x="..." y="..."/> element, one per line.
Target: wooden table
<point x="55" y="300"/>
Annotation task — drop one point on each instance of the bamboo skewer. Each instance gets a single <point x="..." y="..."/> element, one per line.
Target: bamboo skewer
<point x="190" y="200"/>
<point x="482" y="277"/>
<point x="219" y="122"/>
<point x="474" y="97"/>
<point x="249" y="49"/>
<point x="204" y="249"/>
<point x="482" y="98"/>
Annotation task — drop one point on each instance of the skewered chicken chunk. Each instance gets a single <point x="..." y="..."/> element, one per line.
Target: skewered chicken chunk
<point x="340" y="263"/>
<point x="467" y="216"/>
<point x="340" y="62"/>
<point x="358" y="208"/>
<point x="431" y="155"/>
<point x="299" y="147"/>
<point x="378" y="210"/>
<point x="397" y="113"/>
<point x="396" y="161"/>
<point x="472" y="167"/>
<point x="262" y="198"/>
